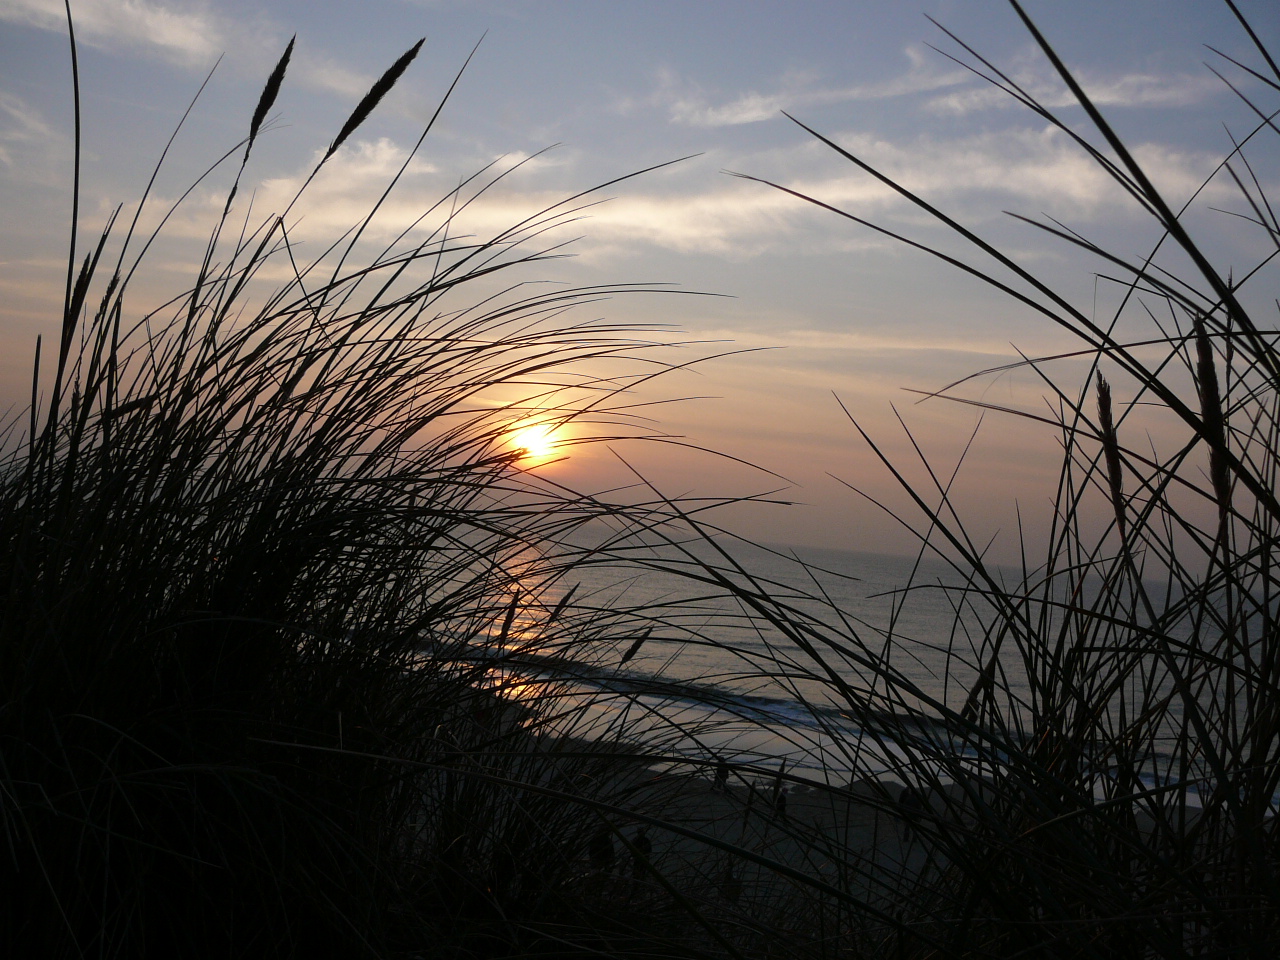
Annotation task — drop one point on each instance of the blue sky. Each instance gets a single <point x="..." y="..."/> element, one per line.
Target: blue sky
<point x="617" y="86"/>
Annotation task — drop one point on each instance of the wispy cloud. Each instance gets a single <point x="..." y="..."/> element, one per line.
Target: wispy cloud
<point x="861" y="342"/>
<point x="1122" y="90"/>
<point x="189" y="34"/>
<point x="958" y="92"/>
<point x="1034" y="170"/>
<point x="340" y="197"/>
<point x="322" y="72"/>
<point x="181" y="31"/>
<point x="1034" y="166"/>
<point x="689" y="105"/>
<point x="21" y="126"/>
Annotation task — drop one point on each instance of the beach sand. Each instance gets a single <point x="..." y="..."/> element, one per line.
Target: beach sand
<point x="848" y="839"/>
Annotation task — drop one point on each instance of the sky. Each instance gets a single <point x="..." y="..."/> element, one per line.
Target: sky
<point x="823" y="320"/>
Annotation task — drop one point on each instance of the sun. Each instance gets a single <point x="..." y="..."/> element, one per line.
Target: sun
<point x="535" y="443"/>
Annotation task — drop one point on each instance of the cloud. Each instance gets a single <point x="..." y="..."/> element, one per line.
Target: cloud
<point x="337" y="199"/>
<point x="1036" y="170"/>
<point x="690" y="106"/>
<point x="324" y="73"/>
<point x="862" y="342"/>
<point x="190" y="34"/>
<point x="21" y="126"/>
<point x="183" y="32"/>
<point x="1038" y="166"/>
<point x="964" y="92"/>
<point x="1125" y="90"/>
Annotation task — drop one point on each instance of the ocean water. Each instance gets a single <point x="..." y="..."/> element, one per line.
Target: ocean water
<point x="703" y="676"/>
<point x="714" y="678"/>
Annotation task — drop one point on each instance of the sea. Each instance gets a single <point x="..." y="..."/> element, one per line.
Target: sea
<point x="702" y="676"/>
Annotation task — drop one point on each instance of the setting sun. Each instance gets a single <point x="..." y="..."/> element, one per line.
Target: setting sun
<point x="536" y="442"/>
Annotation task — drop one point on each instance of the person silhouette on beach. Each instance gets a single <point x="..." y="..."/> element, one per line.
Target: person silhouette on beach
<point x="721" y="784"/>
<point x="779" y="793"/>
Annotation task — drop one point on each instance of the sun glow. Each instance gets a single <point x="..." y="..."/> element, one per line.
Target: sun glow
<point x="535" y="443"/>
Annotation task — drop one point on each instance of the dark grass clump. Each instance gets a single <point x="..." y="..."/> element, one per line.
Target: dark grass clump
<point x="265" y="551"/>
